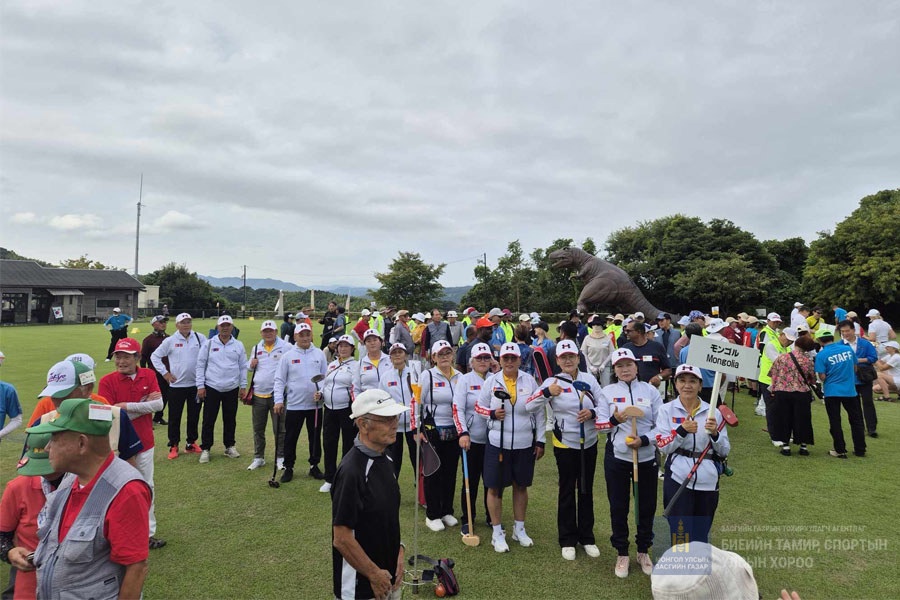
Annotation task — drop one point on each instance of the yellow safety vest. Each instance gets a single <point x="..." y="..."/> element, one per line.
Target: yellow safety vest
<point x="765" y="363"/>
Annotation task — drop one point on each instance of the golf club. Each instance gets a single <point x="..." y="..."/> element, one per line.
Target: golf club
<point x="316" y="379"/>
<point x="582" y="387"/>
<point x="503" y="396"/>
<point x="634" y="412"/>
<point x="728" y="418"/>
<point x="416" y="390"/>
<point x="272" y="482"/>
<point x="470" y="539"/>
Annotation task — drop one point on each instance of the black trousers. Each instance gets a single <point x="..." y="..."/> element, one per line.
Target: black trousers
<point x="179" y="397"/>
<point x="475" y="460"/>
<point x="854" y="415"/>
<point x="336" y="424"/>
<point x="619" y="474"/>
<point x="868" y="407"/>
<point x="771" y="411"/>
<point x="229" y="403"/>
<point x="114" y="336"/>
<point x="440" y="488"/>
<point x="293" y="425"/>
<point x="793" y="417"/>
<point x="692" y="513"/>
<point x="395" y="451"/>
<point x="575" y="506"/>
<point x="164" y="390"/>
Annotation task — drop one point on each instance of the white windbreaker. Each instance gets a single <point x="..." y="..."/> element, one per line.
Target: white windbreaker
<point x="565" y="407"/>
<point x="399" y="385"/>
<point x="464" y="398"/>
<point x="668" y="440"/>
<point x="520" y="429"/>
<point x="337" y="387"/>
<point x="293" y="379"/>
<point x="618" y="396"/>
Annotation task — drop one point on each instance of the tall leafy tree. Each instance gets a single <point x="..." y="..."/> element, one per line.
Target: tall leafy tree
<point x="410" y="283"/>
<point x="859" y="264"/>
<point x="183" y="288"/>
<point x="83" y="262"/>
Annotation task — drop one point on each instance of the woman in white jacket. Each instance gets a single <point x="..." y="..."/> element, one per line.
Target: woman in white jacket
<point x="398" y="381"/>
<point x="336" y="391"/>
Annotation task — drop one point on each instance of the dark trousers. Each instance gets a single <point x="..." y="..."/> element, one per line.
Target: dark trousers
<point x="793" y="417"/>
<point x="575" y="506"/>
<point x="336" y="424"/>
<point x="178" y="398"/>
<point x="395" y="450"/>
<point x="475" y="460"/>
<point x="440" y="488"/>
<point x="114" y="336"/>
<point x="854" y="415"/>
<point x="619" y="474"/>
<point x="293" y="425"/>
<point x="868" y="407"/>
<point x="229" y="402"/>
<point x="164" y="390"/>
<point x="692" y="514"/>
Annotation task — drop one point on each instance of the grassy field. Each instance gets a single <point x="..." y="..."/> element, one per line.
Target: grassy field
<point x="815" y="524"/>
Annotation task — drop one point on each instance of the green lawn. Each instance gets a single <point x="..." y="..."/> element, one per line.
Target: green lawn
<point x="810" y="523"/>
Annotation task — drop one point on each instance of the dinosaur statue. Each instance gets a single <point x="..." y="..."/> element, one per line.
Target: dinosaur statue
<point x="605" y="284"/>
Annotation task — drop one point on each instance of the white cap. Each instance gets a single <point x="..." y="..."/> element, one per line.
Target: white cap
<point x="798" y="304"/>
<point x="371" y="332"/>
<point x="510" y="349"/>
<point x="622" y="354"/>
<point x="440" y="345"/>
<point x="495" y="312"/>
<point x="480" y="349"/>
<point x="82" y="358"/>
<point x="268" y="325"/>
<point x="773" y="316"/>
<point x="158" y="318"/>
<point x="346" y="339"/>
<point x="683" y="321"/>
<point x="638" y="315"/>
<point x="872" y="313"/>
<point x="790" y="333"/>
<point x="397" y="346"/>
<point x="376" y="402"/>
<point x="65" y="376"/>
<point x="451" y="313"/>
<point x="716" y="325"/>
<point x="301" y="315"/>
<point x="376" y="314"/>
<point x="566" y="347"/>
<point x="224" y="319"/>
<point x="801" y="327"/>
<point x="689" y="369"/>
<point x="892" y="344"/>
<point x="181" y="317"/>
<point x="702" y="573"/>
<point x="302" y="327"/>
<point x="365" y="312"/>
<point x="419" y="317"/>
<point x="523" y="318"/>
<point x="117" y="309"/>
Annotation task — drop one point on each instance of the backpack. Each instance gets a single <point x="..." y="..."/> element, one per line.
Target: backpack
<point x="542" y="368"/>
<point x="442" y="571"/>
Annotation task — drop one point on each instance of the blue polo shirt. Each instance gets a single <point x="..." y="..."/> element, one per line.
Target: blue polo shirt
<point x="9" y="403"/>
<point x="118" y="321"/>
<point x="838" y="362"/>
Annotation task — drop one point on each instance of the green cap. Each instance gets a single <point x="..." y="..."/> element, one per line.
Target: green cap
<point x="78" y="414"/>
<point x="36" y="460"/>
<point x="822" y="332"/>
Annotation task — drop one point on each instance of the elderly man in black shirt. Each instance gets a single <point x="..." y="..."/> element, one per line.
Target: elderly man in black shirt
<point x="652" y="359"/>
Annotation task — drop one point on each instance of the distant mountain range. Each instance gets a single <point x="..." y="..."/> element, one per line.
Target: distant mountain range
<point x="453" y="294"/>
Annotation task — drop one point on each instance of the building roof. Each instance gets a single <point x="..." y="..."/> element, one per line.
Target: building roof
<point x="26" y="273"/>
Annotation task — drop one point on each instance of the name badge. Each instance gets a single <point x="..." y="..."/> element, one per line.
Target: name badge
<point x="647" y="358"/>
<point x="99" y="412"/>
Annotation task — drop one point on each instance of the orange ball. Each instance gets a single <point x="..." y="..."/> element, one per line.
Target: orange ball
<point x="440" y="591"/>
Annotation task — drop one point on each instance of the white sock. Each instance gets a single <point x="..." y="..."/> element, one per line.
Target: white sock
<point x="498" y="530"/>
<point x="519" y="525"/>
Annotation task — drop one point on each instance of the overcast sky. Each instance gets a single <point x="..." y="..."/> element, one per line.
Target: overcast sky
<point x="312" y="141"/>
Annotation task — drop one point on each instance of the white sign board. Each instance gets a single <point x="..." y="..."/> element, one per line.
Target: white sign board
<point x="57" y="312"/>
<point x="719" y="355"/>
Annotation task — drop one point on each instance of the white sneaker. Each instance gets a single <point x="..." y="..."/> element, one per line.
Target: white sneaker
<point x="760" y="410"/>
<point x="326" y="487"/>
<point x="568" y="552"/>
<point x="434" y="524"/>
<point x="279" y="462"/>
<point x="257" y="463"/>
<point x="622" y="567"/>
<point x="643" y="559"/>
<point x="107" y="360"/>
<point x="522" y="538"/>
<point x="499" y="543"/>
<point x="231" y="452"/>
<point x="449" y="521"/>
<point x="777" y="444"/>
<point x="204" y="457"/>
<point x="592" y="550"/>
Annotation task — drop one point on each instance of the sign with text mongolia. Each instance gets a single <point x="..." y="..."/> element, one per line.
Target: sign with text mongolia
<point x="719" y="355"/>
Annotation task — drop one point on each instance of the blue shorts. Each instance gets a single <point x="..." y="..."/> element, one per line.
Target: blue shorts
<point x="517" y="466"/>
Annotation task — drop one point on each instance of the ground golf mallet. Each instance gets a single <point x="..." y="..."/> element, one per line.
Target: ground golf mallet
<point x="633" y="412"/>
<point x="503" y="396"/>
<point x="316" y="379"/>
<point x="416" y="390"/>
<point x="470" y="539"/>
<point x="272" y="482"/>
<point x="581" y="387"/>
<point x="728" y="418"/>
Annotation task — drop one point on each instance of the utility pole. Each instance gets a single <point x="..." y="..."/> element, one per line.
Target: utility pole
<point x="244" y="307"/>
<point x="137" y="233"/>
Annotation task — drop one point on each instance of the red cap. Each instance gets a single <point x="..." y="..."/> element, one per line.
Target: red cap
<point x="129" y="345"/>
<point x="483" y="322"/>
<point x="506" y="311"/>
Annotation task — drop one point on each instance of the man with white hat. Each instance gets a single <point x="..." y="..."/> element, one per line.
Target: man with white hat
<point x="117" y="324"/>
<point x="362" y="325"/>
<point x="181" y="349"/>
<point x="221" y="371"/>
<point x="368" y="557"/>
<point x="148" y="347"/>
<point x="879" y="332"/>
<point x="9" y="406"/>
<point x="768" y="343"/>
<point x="265" y="357"/>
<point x="456" y="328"/>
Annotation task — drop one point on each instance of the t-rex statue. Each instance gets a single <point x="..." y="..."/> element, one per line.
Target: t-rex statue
<point x="605" y="284"/>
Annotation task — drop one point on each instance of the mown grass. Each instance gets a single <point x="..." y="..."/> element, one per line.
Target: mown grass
<point x="232" y="536"/>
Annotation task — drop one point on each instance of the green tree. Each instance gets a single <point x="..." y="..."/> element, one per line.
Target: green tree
<point x="13" y="255"/>
<point x="859" y="264"/>
<point x="410" y="282"/>
<point x="83" y="262"/>
<point x="185" y="289"/>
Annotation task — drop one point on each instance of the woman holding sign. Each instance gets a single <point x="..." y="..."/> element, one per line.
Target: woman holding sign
<point x="684" y="428"/>
<point x="627" y="412"/>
